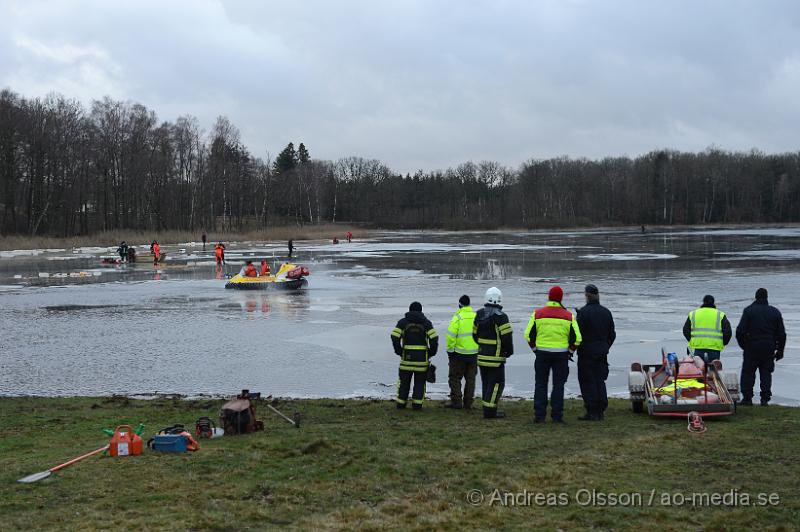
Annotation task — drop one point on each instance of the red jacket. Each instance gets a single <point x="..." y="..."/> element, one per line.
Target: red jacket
<point x="250" y="271"/>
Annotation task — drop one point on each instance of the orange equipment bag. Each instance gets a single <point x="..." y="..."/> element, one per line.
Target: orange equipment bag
<point x="125" y="442"/>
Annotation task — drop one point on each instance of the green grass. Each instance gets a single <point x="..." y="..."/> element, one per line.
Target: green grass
<point x="363" y="464"/>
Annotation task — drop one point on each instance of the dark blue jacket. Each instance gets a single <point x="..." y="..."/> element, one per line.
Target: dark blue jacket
<point x="761" y="329"/>
<point x="597" y="329"/>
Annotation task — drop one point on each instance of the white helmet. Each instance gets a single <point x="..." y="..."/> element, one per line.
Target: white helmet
<point x="494" y="296"/>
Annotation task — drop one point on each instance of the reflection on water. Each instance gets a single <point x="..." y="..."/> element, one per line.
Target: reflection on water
<point x="70" y="326"/>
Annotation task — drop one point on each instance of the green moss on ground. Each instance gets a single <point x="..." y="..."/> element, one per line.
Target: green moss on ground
<point x="364" y="464"/>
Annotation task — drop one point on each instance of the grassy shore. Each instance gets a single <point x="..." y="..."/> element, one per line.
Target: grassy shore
<point x="364" y="464"/>
<point x="112" y="238"/>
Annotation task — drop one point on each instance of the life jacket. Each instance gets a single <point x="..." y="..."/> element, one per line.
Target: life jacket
<point x="156" y="250"/>
<point x="250" y="271"/>
<point x="683" y="384"/>
<point x="265" y="268"/>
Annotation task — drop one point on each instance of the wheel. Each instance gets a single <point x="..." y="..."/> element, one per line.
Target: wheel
<point x="638" y="406"/>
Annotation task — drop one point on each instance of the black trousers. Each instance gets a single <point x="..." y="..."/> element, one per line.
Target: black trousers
<point x="404" y="386"/>
<point x="764" y="362"/>
<point x="461" y="368"/>
<point x="592" y="375"/>
<point x="546" y="362"/>
<point x="493" y="381"/>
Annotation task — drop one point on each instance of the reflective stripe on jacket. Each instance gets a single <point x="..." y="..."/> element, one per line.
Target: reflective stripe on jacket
<point x="459" y="333"/>
<point x="706" y="331"/>
<point x="552" y="328"/>
<point x="415" y="340"/>
<point x="492" y="332"/>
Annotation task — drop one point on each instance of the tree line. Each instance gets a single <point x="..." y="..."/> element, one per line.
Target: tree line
<point x="70" y="170"/>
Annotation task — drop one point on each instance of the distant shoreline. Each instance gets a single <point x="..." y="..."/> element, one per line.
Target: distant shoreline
<point x="324" y="232"/>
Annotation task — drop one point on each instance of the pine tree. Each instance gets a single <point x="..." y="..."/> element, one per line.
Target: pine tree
<point x="286" y="160"/>
<point x="302" y="155"/>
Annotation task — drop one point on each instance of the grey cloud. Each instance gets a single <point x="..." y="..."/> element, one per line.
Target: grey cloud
<point x="427" y="84"/>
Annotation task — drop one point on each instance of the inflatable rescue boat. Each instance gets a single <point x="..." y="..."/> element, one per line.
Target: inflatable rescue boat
<point x="678" y="386"/>
<point x="288" y="277"/>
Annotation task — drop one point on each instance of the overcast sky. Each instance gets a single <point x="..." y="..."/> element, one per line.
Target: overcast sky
<point x="430" y="83"/>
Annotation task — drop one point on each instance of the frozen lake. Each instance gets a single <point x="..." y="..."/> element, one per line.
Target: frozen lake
<point x="71" y="327"/>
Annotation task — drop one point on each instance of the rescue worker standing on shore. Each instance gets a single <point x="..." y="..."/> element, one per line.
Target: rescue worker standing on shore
<point x="553" y="335"/>
<point x="492" y="333"/>
<point x="762" y="337"/>
<point x="596" y="325"/>
<point x="707" y="330"/>
<point x="415" y="341"/>
<point x="462" y="354"/>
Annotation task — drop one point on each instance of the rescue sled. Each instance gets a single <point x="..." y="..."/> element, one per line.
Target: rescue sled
<point x="289" y="277"/>
<point x="678" y="386"/>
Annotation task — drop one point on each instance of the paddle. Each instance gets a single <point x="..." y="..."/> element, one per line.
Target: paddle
<point x="44" y="474"/>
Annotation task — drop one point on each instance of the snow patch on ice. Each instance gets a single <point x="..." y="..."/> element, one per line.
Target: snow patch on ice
<point x="27" y="252"/>
<point x="630" y="256"/>
<point x="766" y="254"/>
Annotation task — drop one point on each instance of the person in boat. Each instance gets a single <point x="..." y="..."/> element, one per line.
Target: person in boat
<point x="554" y="335"/>
<point x="156" y="252"/>
<point x="264" y="267"/>
<point x="492" y="332"/>
<point x="762" y="337"/>
<point x="291" y="247"/>
<point x="415" y="341"/>
<point x="462" y="355"/>
<point x="596" y="325"/>
<point x="122" y="250"/>
<point x="707" y="330"/>
<point x="219" y="253"/>
<point x="250" y="270"/>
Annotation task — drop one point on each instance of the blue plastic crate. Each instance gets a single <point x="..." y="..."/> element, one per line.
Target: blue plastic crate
<point x="170" y="443"/>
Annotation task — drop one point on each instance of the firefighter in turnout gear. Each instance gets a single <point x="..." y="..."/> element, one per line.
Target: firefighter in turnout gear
<point x="415" y="341"/>
<point x="462" y="354"/>
<point x="492" y="333"/>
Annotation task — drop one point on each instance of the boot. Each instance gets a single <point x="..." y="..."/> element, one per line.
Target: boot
<point x="589" y="417"/>
<point x="400" y="406"/>
<point x="416" y="407"/>
<point x="454" y="405"/>
<point x="765" y="402"/>
<point x="746" y="402"/>
<point x="538" y="420"/>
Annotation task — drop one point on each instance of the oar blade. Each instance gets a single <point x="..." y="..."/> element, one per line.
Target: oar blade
<point x="35" y="477"/>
